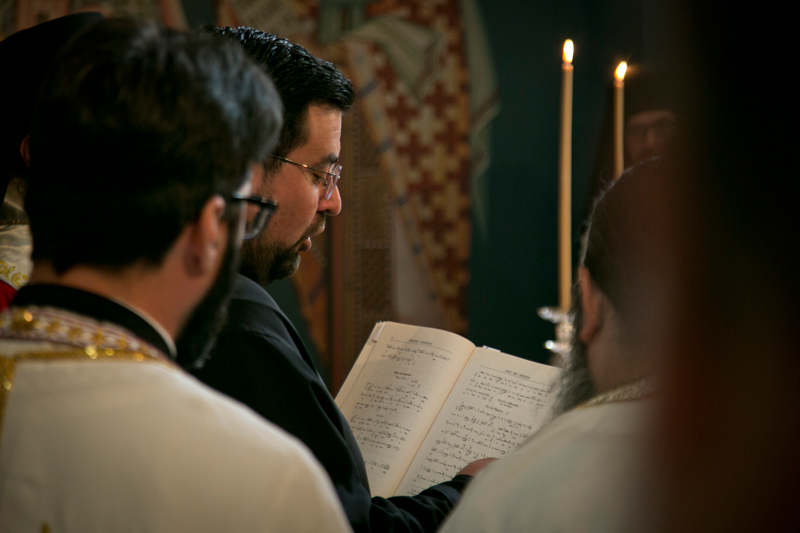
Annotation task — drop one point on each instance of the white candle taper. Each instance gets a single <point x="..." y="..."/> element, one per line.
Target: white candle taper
<point x="565" y="181"/>
<point x="619" y="117"/>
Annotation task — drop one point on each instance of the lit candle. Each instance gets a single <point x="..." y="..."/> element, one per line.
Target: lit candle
<point x="565" y="181"/>
<point x="619" y="116"/>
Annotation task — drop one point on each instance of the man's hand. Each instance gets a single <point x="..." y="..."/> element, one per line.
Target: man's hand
<point x="474" y="467"/>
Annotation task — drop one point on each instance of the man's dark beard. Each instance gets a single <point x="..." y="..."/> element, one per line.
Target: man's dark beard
<point x="264" y="261"/>
<point x="198" y="337"/>
<point x="575" y="385"/>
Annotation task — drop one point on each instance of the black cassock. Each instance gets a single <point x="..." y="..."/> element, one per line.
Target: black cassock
<point x="260" y="360"/>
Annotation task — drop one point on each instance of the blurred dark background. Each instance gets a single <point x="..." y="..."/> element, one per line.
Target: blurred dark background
<point x="514" y="269"/>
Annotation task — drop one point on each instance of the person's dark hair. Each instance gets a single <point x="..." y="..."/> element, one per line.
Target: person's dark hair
<point x="617" y="239"/>
<point x="617" y="246"/>
<point x="136" y="129"/>
<point x="25" y="57"/>
<point x="301" y="79"/>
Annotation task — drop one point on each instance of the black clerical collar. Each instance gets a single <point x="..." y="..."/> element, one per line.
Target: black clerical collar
<point x="96" y="307"/>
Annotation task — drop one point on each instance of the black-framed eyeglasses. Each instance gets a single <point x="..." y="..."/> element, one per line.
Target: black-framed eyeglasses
<point x="255" y="224"/>
<point x="330" y="179"/>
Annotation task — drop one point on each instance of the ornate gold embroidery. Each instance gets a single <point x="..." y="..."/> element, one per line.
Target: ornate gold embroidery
<point x="19" y="279"/>
<point x="6" y="384"/>
<point x="8" y="366"/>
<point x="5" y="269"/>
<point x="74" y="333"/>
<point x="91" y="342"/>
<point x="6" y="373"/>
<point x="21" y="321"/>
<point x="98" y="338"/>
<point x="624" y="393"/>
<point x="16" y="278"/>
<point x="61" y="327"/>
<point x="54" y="327"/>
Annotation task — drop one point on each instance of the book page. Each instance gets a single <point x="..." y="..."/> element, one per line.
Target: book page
<point x="499" y="401"/>
<point x="395" y="394"/>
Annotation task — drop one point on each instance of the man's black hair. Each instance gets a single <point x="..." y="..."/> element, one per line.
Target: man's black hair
<point x="301" y="79"/>
<point x="135" y="129"/>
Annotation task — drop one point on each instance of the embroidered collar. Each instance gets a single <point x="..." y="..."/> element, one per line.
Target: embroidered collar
<point x="634" y="390"/>
<point x="93" y="306"/>
<point x="64" y="327"/>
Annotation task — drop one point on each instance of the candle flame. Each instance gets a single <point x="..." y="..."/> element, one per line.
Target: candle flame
<point x="620" y="72"/>
<point x="569" y="49"/>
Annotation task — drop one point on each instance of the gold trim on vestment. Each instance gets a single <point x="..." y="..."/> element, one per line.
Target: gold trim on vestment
<point x="93" y="342"/>
<point x="7" y="274"/>
<point x="62" y="327"/>
<point x="634" y="390"/>
<point x="90" y="353"/>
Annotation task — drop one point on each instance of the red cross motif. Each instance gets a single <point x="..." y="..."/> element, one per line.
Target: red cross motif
<point x="440" y="100"/>
<point x="402" y="112"/>
<point x="413" y="149"/>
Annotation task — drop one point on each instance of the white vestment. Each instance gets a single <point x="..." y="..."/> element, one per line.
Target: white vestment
<point x="15" y="237"/>
<point x="581" y="472"/>
<point x="100" y="432"/>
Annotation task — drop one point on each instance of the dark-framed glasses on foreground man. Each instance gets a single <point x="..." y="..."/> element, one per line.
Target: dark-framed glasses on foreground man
<point x="259" y="211"/>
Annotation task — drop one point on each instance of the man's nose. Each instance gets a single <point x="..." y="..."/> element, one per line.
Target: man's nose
<point x="333" y="205"/>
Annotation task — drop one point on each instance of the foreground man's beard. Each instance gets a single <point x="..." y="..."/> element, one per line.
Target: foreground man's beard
<point x="575" y="384"/>
<point x="198" y="337"/>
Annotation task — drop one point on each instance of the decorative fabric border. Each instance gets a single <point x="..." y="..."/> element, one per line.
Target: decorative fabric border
<point x="92" y="341"/>
<point x="61" y="327"/>
<point x="635" y="390"/>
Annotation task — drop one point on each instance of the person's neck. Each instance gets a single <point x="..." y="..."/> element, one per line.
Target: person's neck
<point x="614" y="365"/>
<point x="141" y="288"/>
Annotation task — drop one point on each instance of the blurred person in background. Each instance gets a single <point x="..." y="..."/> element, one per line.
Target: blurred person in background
<point x="24" y="58"/>
<point x="651" y="122"/>
<point x="581" y="471"/>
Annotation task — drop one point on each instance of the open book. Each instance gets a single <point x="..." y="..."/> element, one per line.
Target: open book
<point x="423" y="403"/>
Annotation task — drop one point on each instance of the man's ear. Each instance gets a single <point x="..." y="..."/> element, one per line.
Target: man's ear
<point x="25" y="150"/>
<point x="207" y="239"/>
<point x="592" y="306"/>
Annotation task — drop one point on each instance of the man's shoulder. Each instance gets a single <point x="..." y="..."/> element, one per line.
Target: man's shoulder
<point x="243" y="447"/>
<point x="598" y="433"/>
<point x="160" y="429"/>
<point x="170" y="405"/>
<point x="248" y="438"/>
<point x="133" y="404"/>
<point x="587" y="457"/>
<point x="256" y="322"/>
<point x="253" y="309"/>
<point x="247" y="290"/>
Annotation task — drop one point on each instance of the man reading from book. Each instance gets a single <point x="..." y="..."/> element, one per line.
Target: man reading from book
<point x="587" y="459"/>
<point x="259" y="358"/>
